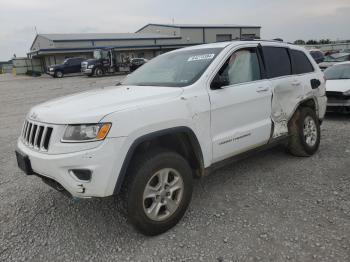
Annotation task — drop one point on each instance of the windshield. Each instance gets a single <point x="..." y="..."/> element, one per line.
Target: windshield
<point x="97" y="54"/>
<point x="176" y="69"/>
<point x="338" y="72"/>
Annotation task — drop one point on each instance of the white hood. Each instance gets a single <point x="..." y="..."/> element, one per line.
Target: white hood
<point x="92" y="106"/>
<point x="340" y="85"/>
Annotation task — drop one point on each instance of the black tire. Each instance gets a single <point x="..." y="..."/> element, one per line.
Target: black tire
<point x="297" y="144"/>
<point x="98" y="72"/>
<point x="143" y="168"/>
<point x="59" y="74"/>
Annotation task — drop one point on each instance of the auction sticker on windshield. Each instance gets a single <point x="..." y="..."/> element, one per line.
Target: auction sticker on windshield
<point x="201" y="57"/>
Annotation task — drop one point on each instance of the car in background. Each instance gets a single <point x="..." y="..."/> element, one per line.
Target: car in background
<point x="334" y="59"/>
<point x="338" y="87"/>
<point x="317" y="55"/>
<point x="69" y="66"/>
<point x="136" y="63"/>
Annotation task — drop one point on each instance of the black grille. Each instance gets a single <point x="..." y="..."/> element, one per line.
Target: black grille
<point x="37" y="135"/>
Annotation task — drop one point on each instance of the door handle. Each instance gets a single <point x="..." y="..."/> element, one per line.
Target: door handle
<point x="262" y="89"/>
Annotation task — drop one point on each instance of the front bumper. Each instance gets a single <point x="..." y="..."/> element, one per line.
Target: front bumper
<point x="87" y="71"/>
<point x="51" y="73"/>
<point x="337" y="102"/>
<point x="102" y="161"/>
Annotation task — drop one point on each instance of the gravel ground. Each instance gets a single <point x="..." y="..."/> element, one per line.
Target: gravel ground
<point x="269" y="207"/>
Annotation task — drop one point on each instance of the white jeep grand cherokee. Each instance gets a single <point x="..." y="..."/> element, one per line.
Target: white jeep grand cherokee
<point x="174" y="119"/>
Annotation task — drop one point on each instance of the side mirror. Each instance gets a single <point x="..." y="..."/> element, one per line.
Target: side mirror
<point x="219" y="81"/>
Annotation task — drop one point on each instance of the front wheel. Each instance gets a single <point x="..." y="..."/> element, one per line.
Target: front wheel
<point x="158" y="191"/>
<point x="305" y="133"/>
<point x="98" y="72"/>
<point x="59" y="74"/>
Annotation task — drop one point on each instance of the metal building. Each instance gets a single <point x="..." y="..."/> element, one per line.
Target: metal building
<point x="148" y="42"/>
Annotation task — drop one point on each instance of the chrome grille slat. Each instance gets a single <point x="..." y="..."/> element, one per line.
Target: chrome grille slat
<point x="36" y="135"/>
<point x="28" y="133"/>
<point x="42" y="140"/>
<point x="31" y="135"/>
<point x="23" y="128"/>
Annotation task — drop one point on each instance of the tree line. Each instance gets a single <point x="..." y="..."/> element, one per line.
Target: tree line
<point x="319" y="42"/>
<point x="313" y="42"/>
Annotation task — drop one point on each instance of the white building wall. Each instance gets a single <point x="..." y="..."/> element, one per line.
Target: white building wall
<point x="42" y="43"/>
<point x="163" y="30"/>
<point x="192" y="35"/>
<point x="210" y="33"/>
<point x="251" y="31"/>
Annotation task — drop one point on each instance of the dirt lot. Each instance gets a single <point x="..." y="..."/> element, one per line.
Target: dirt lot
<point x="269" y="207"/>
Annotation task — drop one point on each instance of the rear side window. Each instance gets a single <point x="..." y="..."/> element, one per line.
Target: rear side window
<point x="74" y="61"/>
<point x="300" y="63"/>
<point x="277" y="61"/>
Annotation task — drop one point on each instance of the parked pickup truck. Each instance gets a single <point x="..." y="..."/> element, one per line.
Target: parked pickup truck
<point x="69" y="66"/>
<point x="176" y="118"/>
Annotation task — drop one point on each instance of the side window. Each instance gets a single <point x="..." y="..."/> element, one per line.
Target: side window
<point x="73" y="62"/>
<point x="300" y="63"/>
<point x="241" y="67"/>
<point x="277" y="61"/>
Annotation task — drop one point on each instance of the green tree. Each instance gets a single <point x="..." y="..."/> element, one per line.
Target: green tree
<point x="299" y="42"/>
<point x="312" y="42"/>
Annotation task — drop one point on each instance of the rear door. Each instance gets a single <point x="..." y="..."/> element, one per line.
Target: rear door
<point x="286" y="88"/>
<point x="304" y="71"/>
<point x="241" y="109"/>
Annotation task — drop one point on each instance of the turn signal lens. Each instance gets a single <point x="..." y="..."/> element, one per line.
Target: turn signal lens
<point x="102" y="133"/>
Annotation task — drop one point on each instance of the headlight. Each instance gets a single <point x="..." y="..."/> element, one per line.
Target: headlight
<point x="347" y="93"/>
<point x="86" y="132"/>
<point x="90" y="66"/>
<point x="51" y="69"/>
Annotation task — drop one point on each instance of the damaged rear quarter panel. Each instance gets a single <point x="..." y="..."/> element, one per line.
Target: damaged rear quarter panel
<point x="286" y="95"/>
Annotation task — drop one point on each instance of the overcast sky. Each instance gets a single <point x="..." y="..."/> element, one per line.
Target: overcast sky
<point x="290" y="20"/>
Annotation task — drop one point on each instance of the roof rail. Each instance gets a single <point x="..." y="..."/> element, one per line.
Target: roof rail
<point x="276" y="40"/>
<point x="262" y="40"/>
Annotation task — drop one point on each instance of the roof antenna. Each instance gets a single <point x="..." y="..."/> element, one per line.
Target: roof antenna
<point x="36" y="31"/>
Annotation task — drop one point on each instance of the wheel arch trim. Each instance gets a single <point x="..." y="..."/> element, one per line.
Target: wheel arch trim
<point x="313" y="98"/>
<point x="174" y="130"/>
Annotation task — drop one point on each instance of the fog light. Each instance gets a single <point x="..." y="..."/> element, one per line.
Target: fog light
<point x="82" y="174"/>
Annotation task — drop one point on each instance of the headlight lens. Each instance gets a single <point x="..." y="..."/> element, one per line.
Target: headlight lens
<point x="86" y="132"/>
<point x="51" y="69"/>
<point x="347" y="93"/>
<point x="90" y="66"/>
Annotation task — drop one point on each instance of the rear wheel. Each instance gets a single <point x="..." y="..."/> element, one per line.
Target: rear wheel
<point x="305" y="134"/>
<point x="158" y="191"/>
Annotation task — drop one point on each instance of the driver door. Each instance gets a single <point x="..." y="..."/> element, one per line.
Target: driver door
<point x="240" y="106"/>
